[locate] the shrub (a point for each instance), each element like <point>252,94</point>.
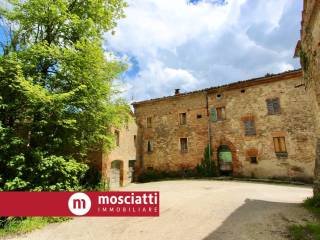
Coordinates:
<point>207,168</point>
<point>313,202</point>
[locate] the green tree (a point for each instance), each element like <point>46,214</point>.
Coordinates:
<point>207,167</point>
<point>57,94</point>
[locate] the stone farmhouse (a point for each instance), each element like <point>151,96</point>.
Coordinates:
<point>266,127</point>
<point>260,128</point>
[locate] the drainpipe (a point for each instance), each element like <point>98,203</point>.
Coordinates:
<point>209,126</point>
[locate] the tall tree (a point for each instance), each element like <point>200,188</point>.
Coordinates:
<point>57,97</point>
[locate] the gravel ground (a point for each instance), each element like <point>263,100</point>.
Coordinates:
<point>196,209</point>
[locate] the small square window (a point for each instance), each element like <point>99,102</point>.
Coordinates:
<point>199,116</point>
<point>184,145</point>
<point>183,118</point>
<point>253,160</point>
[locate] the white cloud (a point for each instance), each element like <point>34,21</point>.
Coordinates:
<point>191,46</point>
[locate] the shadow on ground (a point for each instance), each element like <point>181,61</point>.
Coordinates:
<point>260,220</point>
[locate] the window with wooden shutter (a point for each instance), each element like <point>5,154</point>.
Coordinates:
<point>249,127</point>
<point>184,145</point>
<point>273,106</point>
<point>280,146</point>
<point>221,113</point>
<point>213,114</point>
<point>183,118</point>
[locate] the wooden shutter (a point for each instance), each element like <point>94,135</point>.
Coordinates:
<point>213,114</point>
<point>223,113</point>
<point>276,144</point>
<point>282,144</point>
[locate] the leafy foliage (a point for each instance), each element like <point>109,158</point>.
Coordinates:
<point>57,94</point>
<point>207,167</point>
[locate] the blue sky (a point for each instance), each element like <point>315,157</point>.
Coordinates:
<point>196,44</point>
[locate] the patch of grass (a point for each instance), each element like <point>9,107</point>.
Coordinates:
<point>313,205</point>
<point>310,231</point>
<point>19,225</point>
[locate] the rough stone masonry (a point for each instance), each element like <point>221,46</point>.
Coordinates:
<point>260,128</point>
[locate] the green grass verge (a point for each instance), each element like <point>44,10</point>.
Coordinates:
<point>23,225</point>
<point>309,231</point>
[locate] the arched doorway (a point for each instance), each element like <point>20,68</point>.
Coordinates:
<point>116,174</point>
<point>225,160</point>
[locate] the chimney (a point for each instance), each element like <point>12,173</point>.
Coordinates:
<point>177,91</point>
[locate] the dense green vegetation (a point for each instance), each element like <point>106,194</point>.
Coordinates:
<point>57,96</point>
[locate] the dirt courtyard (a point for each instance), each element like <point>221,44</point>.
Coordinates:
<point>194,210</point>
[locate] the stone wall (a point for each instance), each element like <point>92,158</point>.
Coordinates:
<point>125,152</point>
<point>309,53</point>
<point>166,132</point>
<point>295,123</point>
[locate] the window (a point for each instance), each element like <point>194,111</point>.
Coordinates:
<point>149,146</point>
<point>117,136</point>
<point>149,122</point>
<point>183,118</point>
<point>221,113</point>
<point>273,106</point>
<point>199,116</point>
<point>217,114</point>
<point>184,145</point>
<point>253,160</point>
<point>280,146</point>
<point>249,127</point>
<point>218,96</point>
<point>135,140</point>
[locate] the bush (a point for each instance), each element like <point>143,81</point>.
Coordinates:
<point>41,173</point>
<point>207,168</point>
<point>313,202</point>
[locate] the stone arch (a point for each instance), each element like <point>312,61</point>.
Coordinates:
<point>236,165</point>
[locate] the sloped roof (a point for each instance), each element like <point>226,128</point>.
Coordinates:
<point>240,84</point>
